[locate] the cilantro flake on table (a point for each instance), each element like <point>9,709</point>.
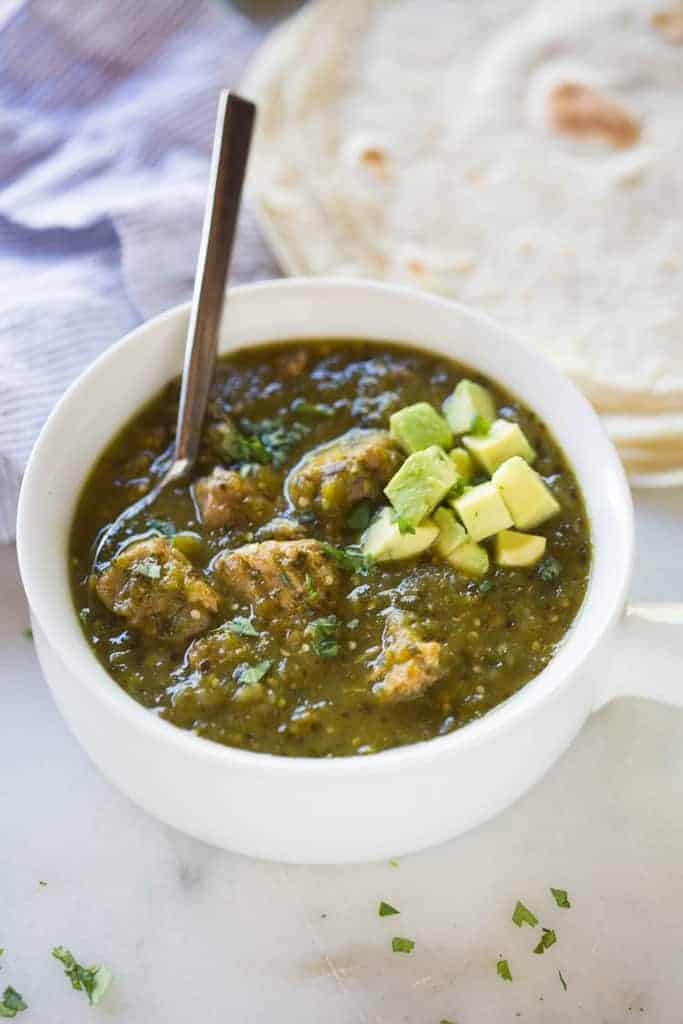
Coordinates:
<point>12,1003</point>
<point>93,980</point>
<point>402,945</point>
<point>386,909</point>
<point>503,970</point>
<point>564,983</point>
<point>548,939</point>
<point>561,897</point>
<point>522,915</point>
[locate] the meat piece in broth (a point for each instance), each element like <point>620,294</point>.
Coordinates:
<point>279,576</point>
<point>155,588</point>
<point>407,665</point>
<point>353,468</point>
<point>227,497</point>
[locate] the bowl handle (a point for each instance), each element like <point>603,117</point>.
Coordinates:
<point>645,656</point>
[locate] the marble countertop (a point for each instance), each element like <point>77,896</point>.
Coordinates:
<point>193,933</point>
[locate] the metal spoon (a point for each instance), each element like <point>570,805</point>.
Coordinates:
<point>231,144</point>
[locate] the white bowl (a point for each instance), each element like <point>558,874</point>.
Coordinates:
<point>300,809</point>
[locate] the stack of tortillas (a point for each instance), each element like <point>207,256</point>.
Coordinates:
<point>523,158</point>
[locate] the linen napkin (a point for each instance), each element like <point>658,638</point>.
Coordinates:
<point>106,122</point>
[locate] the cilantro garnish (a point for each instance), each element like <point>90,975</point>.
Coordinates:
<point>324,636</point>
<point>401,945</point>
<point>564,983</point>
<point>393,863</point>
<point>272,441</point>
<point>242,626</point>
<point>162,526</point>
<point>485,586</point>
<point>522,915</point>
<point>548,939</point>
<point>404,525</point>
<point>41,882</point>
<point>503,970</point>
<point>360,516</point>
<point>94,980</point>
<point>253,673</point>
<point>304,408</point>
<point>479,426</point>
<point>561,897</point>
<point>386,909</point>
<point>351,558</point>
<point>286,578</point>
<point>147,567</point>
<point>549,569</point>
<point>310,587</point>
<point>12,1003</point>
<point>27,633</point>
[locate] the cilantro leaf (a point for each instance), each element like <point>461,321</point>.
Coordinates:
<point>286,578</point>
<point>12,1003</point>
<point>401,945</point>
<point>351,558</point>
<point>386,909</point>
<point>561,897</point>
<point>161,526</point>
<point>404,525</point>
<point>360,516</point>
<point>548,939</point>
<point>253,673</point>
<point>27,633</point>
<point>485,586</point>
<point>305,408</point>
<point>393,863</point>
<point>503,970</point>
<point>242,626</point>
<point>522,915</point>
<point>310,587</point>
<point>549,569</point>
<point>147,567</point>
<point>324,636</point>
<point>479,426</point>
<point>94,980</point>
<point>564,983</point>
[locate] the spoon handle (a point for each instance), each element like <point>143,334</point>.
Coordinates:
<point>232,140</point>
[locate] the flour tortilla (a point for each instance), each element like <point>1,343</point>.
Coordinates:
<point>410,140</point>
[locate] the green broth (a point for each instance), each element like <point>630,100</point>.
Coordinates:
<point>495,635</point>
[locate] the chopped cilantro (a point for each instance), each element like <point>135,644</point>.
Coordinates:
<point>27,633</point>
<point>404,525</point>
<point>522,915</point>
<point>386,909</point>
<point>393,863</point>
<point>401,945</point>
<point>242,626</point>
<point>272,441</point>
<point>41,882</point>
<point>310,587</point>
<point>162,526</point>
<point>304,408</point>
<point>324,636</point>
<point>564,983</point>
<point>458,488</point>
<point>548,939</point>
<point>549,569</point>
<point>360,516</point>
<point>351,558</point>
<point>253,673</point>
<point>94,980</point>
<point>479,426</point>
<point>147,567</point>
<point>286,579</point>
<point>561,897</point>
<point>485,586</point>
<point>12,1003</point>
<point>503,970</point>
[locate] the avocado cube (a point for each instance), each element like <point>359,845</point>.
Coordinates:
<point>419,426</point>
<point>463,463</point>
<point>470,559</point>
<point>525,493</point>
<point>483,511</point>
<point>468,401</point>
<point>503,441</point>
<point>517,550</point>
<point>384,542</point>
<point>424,479</point>
<point>451,533</point>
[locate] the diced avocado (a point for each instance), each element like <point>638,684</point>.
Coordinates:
<point>518,549</point>
<point>468,401</point>
<point>503,441</point>
<point>470,558</point>
<point>421,483</point>
<point>483,511</point>
<point>419,426</point>
<point>463,463</point>
<point>524,492</point>
<point>384,542</point>
<point>451,532</point>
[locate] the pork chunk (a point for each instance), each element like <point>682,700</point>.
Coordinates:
<point>407,665</point>
<point>354,467</point>
<point>279,576</point>
<point>228,498</point>
<point>154,587</point>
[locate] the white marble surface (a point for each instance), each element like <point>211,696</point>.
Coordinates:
<point>195,934</point>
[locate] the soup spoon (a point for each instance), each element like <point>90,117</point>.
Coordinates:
<point>231,145</point>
